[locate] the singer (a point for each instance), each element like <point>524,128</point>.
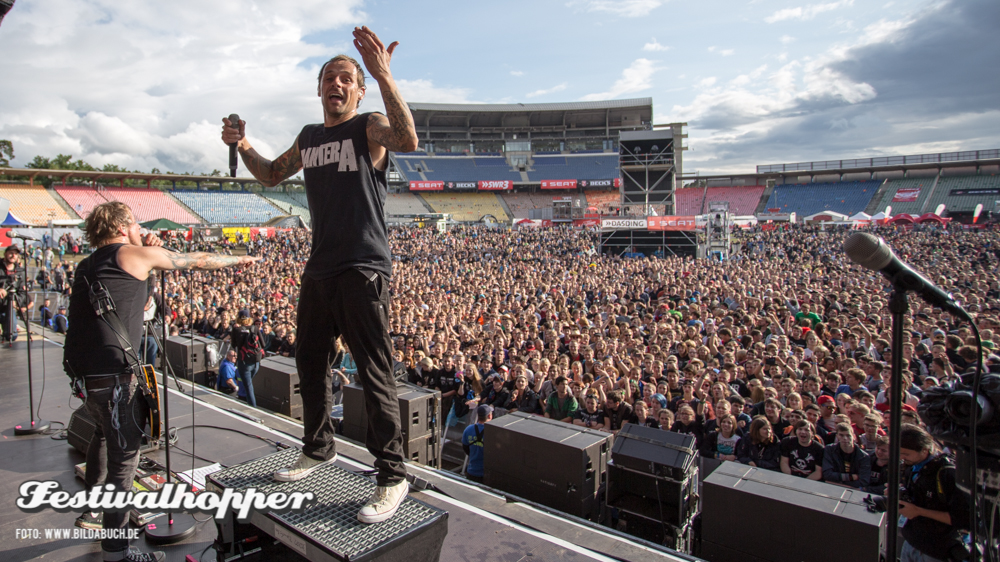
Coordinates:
<point>121,262</point>
<point>345,283</point>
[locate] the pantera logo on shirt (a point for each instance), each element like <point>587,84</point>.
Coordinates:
<point>337,152</point>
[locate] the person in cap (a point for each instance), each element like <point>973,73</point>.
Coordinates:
<point>473,444</point>
<point>60,323</point>
<point>14,295</point>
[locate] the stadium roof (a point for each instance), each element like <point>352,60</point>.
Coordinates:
<point>518,107</point>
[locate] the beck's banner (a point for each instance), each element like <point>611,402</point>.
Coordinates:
<point>460,185</point>
<point>672,222</point>
<point>496,185</point>
<point>907,195</point>
<point>617,182</point>
<point>558,184</point>
<point>426,186</point>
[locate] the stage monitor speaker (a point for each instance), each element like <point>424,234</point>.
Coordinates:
<point>549,462</point>
<point>81,429</point>
<point>276,386</point>
<point>775,517</point>
<point>419,412</point>
<point>179,354</point>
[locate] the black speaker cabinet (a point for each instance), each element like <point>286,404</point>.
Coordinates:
<point>662,499</point>
<point>762,515</point>
<point>419,412</point>
<point>550,462</point>
<point>80,429</point>
<point>186,356</point>
<point>664,454</point>
<point>276,386</point>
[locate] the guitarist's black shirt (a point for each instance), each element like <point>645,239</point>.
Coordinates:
<point>91,346</point>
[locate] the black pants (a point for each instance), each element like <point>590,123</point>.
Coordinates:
<point>114,451</point>
<point>354,304</point>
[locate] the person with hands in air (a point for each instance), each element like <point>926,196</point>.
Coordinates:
<point>345,285</point>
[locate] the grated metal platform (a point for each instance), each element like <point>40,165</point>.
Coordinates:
<point>329,528</point>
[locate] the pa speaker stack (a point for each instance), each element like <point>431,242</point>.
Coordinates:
<point>761,515</point>
<point>419,416</point>
<point>653,485</point>
<point>194,358</point>
<point>549,462</point>
<point>276,386</point>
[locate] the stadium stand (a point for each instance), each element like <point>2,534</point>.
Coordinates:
<point>229,208</point>
<point>742,199</point>
<point>603,167</point>
<point>521,204</point>
<point>146,204</point>
<point>946,185</point>
<point>81,198</point>
<point>466,206</point>
<point>458,168</point>
<point>404,204</point>
<point>688,200</point>
<point>909,207</point>
<point>810,198</point>
<point>33,204</point>
<point>284,201</point>
<point>602,200</point>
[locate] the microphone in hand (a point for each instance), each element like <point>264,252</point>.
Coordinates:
<point>234,121</point>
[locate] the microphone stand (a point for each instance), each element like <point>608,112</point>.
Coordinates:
<point>179,525</point>
<point>898,306</point>
<point>33,427</point>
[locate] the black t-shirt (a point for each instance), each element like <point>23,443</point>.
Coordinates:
<point>802,460</point>
<point>583,415</point>
<point>346,197</point>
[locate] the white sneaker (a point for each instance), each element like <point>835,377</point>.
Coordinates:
<point>300,469</point>
<point>383,503</point>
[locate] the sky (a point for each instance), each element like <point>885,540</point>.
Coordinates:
<point>144,84</point>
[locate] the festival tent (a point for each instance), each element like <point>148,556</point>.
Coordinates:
<point>902,218</point>
<point>162,224</point>
<point>931,217</point>
<point>11,220</point>
<point>861,216</point>
<point>826,216</point>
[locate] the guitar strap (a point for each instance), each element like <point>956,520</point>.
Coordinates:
<point>104,307</point>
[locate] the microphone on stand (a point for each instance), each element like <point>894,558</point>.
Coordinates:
<point>234,121</point>
<point>875,254</point>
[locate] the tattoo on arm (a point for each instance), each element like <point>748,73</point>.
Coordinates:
<point>271,173</point>
<point>395,131</point>
<point>201,260</point>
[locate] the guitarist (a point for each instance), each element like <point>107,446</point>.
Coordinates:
<point>106,360</point>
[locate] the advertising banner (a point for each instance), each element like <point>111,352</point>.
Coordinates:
<point>496,185</point>
<point>908,195</point>
<point>623,224</point>
<point>460,185</point>
<point>558,184</point>
<point>979,191</point>
<point>617,182</point>
<point>587,222</point>
<point>673,223</point>
<point>426,186</point>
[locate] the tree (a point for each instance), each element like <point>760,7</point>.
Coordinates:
<point>6,153</point>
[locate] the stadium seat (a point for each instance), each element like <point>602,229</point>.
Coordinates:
<point>290,204</point>
<point>466,206</point>
<point>810,198</point>
<point>404,204</point>
<point>602,200</point>
<point>229,208</point>
<point>588,167</point>
<point>34,205</point>
<point>522,203</point>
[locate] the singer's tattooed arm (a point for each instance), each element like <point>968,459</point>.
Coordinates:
<point>272,172</point>
<point>203,260</point>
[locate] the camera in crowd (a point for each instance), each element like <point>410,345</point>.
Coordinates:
<point>950,411</point>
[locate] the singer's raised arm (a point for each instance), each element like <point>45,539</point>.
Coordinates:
<point>269,172</point>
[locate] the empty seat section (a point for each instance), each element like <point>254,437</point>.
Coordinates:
<point>588,167</point>
<point>229,208</point>
<point>458,168</point>
<point>404,204</point>
<point>742,200</point>
<point>688,200</point>
<point>291,205</point>
<point>466,207</point>
<point>81,198</point>
<point>948,186</point>
<point>150,204</point>
<point>521,204</point>
<point>910,207</point>
<point>34,205</point>
<point>810,198</point>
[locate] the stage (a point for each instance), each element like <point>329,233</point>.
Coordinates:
<point>482,524</point>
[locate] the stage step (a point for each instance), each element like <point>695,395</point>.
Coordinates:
<point>329,528</point>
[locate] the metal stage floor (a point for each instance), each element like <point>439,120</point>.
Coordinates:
<point>481,524</point>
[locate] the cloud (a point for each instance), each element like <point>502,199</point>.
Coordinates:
<point>806,12</point>
<point>786,39</point>
<point>517,73</point>
<point>552,90</point>
<point>869,96</point>
<point>636,78</point>
<point>426,91</point>
<point>723,52</point>
<point>622,8</point>
<point>145,85</point>
<point>655,45</point>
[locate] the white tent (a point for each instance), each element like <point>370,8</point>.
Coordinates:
<point>862,216</point>
<point>827,216</point>
<point>879,216</point>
